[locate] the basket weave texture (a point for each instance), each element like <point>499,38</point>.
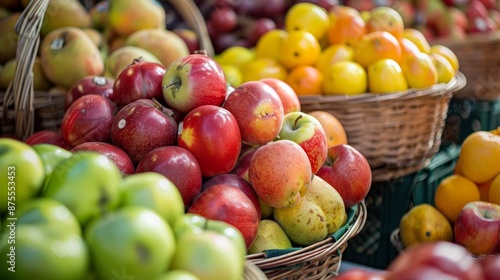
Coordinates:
<point>398,133</point>
<point>317,261</point>
<point>479,58</point>
<point>24,111</point>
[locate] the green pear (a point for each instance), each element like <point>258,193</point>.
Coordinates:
<point>51,155</point>
<point>43,255</point>
<point>68,54</point>
<point>87,183</point>
<point>164,44</point>
<point>132,241</point>
<point>7,73</point>
<point>155,191</point>
<point>123,57</point>
<point>126,17</point>
<point>23,174</point>
<point>8,37</point>
<point>64,13</point>
<point>266,210</point>
<point>270,235</point>
<point>318,214</point>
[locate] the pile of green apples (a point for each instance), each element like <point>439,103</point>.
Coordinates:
<point>72,215</point>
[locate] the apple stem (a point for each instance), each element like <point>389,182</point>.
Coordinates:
<point>296,121</point>
<point>203,52</point>
<point>176,84</point>
<point>137,60</point>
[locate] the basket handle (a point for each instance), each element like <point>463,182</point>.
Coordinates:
<point>193,17</point>
<point>20,92</point>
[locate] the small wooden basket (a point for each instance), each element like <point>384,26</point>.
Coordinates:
<point>479,58</point>
<point>398,133</point>
<point>24,111</point>
<point>318,261</point>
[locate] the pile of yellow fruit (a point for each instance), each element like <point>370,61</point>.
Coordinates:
<point>342,51</point>
<point>476,178</point>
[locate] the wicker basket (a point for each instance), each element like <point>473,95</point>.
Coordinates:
<point>479,57</point>
<point>398,133</point>
<point>318,261</point>
<point>24,111</point>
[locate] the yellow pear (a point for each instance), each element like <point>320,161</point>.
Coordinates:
<point>123,57</point>
<point>64,13</point>
<point>270,235</point>
<point>126,17</point>
<point>319,213</point>
<point>444,68</point>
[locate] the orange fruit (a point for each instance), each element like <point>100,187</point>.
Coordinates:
<point>494,191</point>
<point>458,168</point>
<point>309,17</point>
<point>332,54</point>
<point>453,193</point>
<point>448,54</point>
<point>386,76</point>
<point>384,18</point>
<point>346,25</point>
<point>299,48</point>
<point>419,70</point>
<point>305,80</point>
<point>335,132</point>
<point>268,44</point>
<point>484,189</point>
<point>480,156</point>
<point>418,38</point>
<point>376,45</point>
<point>345,77</point>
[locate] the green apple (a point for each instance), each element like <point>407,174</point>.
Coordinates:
<point>177,275</point>
<point>132,241</point>
<point>37,254</point>
<point>87,183</point>
<point>208,255</point>
<point>21,174</point>
<point>155,191</point>
<point>51,155</point>
<point>194,223</point>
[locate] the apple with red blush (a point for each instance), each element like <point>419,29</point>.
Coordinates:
<point>288,97</point>
<point>236,181</point>
<point>47,137</point>
<point>178,165</point>
<point>192,81</point>
<point>243,163</point>
<point>224,202</point>
<point>140,80</point>
<point>141,126</point>
<point>348,171</point>
<point>212,135</point>
<point>258,110</point>
<point>477,228</point>
<point>115,154</point>
<point>308,132</point>
<point>98,85</point>
<point>361,274</point>
<point>88,119</point>
<point>491,266</point>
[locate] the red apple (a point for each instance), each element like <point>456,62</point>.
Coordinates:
<point>243,163</point>
<point>212,135</point>
<point>189,37</point>
<point>48,137</point>
<point>361,274</point>
<point>348,171</point>
<point>142,126</point>
<point>288,97</point>
<point>280,173</point>
<point>117,155</point>
<point>140,80</point>
<point>308,132</point>
<point>224,202</point>
<point>477,228</point>
<point>192,81</point>
<point>90,85</point>
<point>88,119</point>
<point>236,181</point>
<point>258,110</point>
<point>491,266</point>
<point>178,165</point>
<point>436,260</point>
<point>223,19</point>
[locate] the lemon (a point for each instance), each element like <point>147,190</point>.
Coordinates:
<point>263,67</point>
<point>332,54</point>
<point>385,76</point>
<point>299,48</point>
<point>233,74</point>
<point>270,235</point>
<point>345,77</point>
<point>448,54</point>
<point>309,17</point>
<point>235,55</point>
<point>424,223</point>
<point>269,44</point>
<point>444,68</point>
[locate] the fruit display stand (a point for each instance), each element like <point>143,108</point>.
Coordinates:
<point>317,261</point>
<point>399,132</point>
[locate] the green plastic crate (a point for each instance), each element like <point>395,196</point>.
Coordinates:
<point>442,165</point>
<point>466,116</point>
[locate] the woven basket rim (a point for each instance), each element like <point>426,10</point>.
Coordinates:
<point>492,37</point>
<point>315,251</point>
<point>456,83</point>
